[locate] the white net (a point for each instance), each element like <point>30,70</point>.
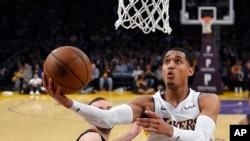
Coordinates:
<point>148,15</point>
<point>206,27</point>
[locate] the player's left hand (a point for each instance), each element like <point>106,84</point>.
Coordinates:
<point>154,123</point>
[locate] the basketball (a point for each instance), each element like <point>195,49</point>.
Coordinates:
<point>68,67</point>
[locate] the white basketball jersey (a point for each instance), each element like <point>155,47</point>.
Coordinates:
<point>182,116</point>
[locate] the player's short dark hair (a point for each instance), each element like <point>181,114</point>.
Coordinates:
<point>188,55</point>
<point>96,99</point>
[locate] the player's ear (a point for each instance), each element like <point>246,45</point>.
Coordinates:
<point>190,71</point>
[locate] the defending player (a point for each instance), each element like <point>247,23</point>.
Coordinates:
<point>95,133</point>
<point>176,114</point>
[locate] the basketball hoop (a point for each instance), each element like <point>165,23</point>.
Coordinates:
<point>206,24</point>
<point>148,15</point>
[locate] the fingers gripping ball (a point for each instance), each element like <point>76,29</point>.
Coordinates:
<point>68,67</point>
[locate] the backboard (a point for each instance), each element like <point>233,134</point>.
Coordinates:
<point>221,11</point>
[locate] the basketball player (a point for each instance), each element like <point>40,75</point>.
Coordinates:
<point>178,113</point>
<point>246,119</point>
<point>96,133</point>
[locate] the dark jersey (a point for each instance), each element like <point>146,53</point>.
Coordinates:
<point>87,131</point>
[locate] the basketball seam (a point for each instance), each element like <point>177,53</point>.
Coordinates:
<point>84,83</point>
<point>86,67</point>
<point>61,84</point>
<point>70,71</point>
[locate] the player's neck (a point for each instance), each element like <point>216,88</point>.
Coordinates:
<point>176,96</point>
<point>177,91</point>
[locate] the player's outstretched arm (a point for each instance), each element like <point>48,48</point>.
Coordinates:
<point>94,115</point>
<point>205,125</point>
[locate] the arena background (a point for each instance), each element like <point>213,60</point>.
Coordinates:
<point>39,26</point>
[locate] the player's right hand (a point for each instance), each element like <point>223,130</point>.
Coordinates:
<point>56,92</point>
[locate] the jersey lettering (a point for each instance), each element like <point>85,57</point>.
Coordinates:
<point>186,124</point>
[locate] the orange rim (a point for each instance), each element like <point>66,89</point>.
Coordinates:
<point>207,19</point>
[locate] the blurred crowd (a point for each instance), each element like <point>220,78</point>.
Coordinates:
<point>31,29</point>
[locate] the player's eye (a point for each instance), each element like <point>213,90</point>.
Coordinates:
<point>178,62</point>
<point>166,61</point>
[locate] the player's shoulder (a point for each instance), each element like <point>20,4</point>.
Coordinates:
<point>207,96</point>
<point>143,100</point>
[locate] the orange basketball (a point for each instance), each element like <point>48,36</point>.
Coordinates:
<point>68,67</point>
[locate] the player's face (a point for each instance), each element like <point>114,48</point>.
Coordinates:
<point>176,69</point>
<point>102,104</point>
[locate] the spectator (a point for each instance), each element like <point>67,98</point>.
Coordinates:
<point>237,77</point>
<point>38,70</point>
<point>26,76</point>
<point>106,78</point>
<point>141,86</point>
<point>149,76</point>
<point>121,66</point>
<point>93,84</point>
<point>35,84</point>
<point>159,81</point>
<point>246,71</point>
<point>16,79</point>
<point>136,72</point>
